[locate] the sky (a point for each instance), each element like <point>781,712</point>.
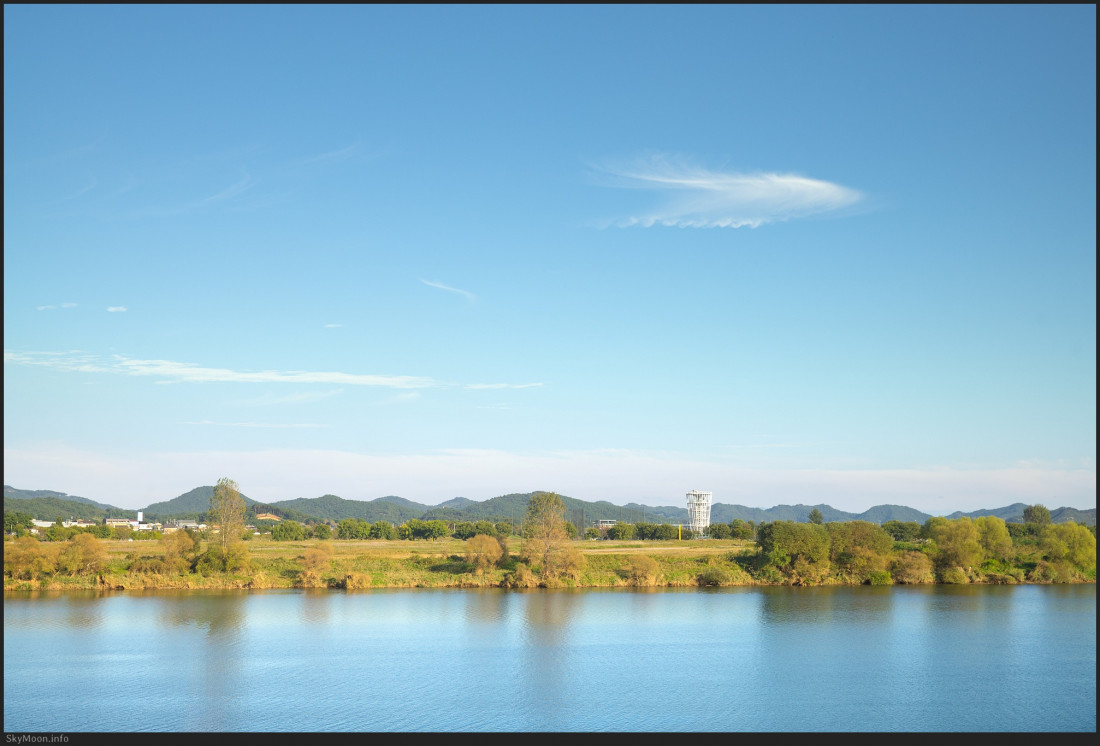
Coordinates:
<point>837,255</point>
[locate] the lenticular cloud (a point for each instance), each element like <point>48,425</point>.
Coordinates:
<point>699,198</point>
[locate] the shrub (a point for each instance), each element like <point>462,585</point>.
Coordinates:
<point>879,577</point>
<point>356,581</point>
<point>521,577</point>
<point>483,552</point>
<point>912,568</point>
<point>954,576</point>
<point>714,576</point>
<point>643,571</point>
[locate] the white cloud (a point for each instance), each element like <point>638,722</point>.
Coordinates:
<point>171,371</point>
<point>468,295</point>
<point>116,309</point>
<point>695,197</point>
<point>333,326</point>
<point>45,308</point>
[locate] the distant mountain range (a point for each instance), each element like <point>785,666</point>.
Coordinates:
<point>49,505</point>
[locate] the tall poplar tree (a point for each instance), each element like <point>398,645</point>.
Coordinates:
<point>227,510</point>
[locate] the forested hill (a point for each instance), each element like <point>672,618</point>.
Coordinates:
<point>189,503</point>
<point>12,492</point>
<point>48,505</point>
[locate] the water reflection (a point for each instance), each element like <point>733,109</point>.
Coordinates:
<point>774,659</point>
<point>547,619</point>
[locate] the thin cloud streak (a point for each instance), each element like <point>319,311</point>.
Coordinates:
<point>116,309</point>
<point>176,372</point>
<point>695,197</point>
<point>468,295</point>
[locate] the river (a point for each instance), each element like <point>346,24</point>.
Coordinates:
<point>832,659</point>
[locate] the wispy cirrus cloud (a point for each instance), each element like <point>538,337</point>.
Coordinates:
<point>116,309</point>
<point>468,295</point>
<point>171,371</point>
<point>341,154</point>
<point>245,183</point>
<point>696,197</point>
<point>52,308</point>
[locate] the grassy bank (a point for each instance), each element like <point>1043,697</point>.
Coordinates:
<point>442,563</point>
<point>411,564</point>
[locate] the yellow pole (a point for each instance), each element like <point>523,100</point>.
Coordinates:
<point>679,532</point>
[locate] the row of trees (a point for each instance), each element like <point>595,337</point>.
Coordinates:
<point>957,550</point>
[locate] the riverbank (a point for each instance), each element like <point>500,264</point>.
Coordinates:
<point>356,565</point>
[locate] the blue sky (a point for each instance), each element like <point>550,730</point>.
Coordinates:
<point>792,254</point>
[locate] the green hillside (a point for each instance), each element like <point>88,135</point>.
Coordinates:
<point>12,492</point>
<point>332,508</point>
<point>191,503</point>
<point>52,508</point>
<point>48,505</point>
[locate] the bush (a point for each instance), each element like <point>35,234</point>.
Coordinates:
<point>714,576</point>
<point>879,577</point>
<point>288,531</point>
<point>521,577</point>
<point>643,571</point>
<point>356,581</point>
<point>483,552</point>
<point>912,568</point>
<point>954,576</point>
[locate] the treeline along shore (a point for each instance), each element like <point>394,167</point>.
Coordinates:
<point>547,551</point>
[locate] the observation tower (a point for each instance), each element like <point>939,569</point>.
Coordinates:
<point>699,511</point>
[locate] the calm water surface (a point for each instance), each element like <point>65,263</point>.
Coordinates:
<point>941,658</point>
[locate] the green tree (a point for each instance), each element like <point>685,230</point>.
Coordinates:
<point>288,531</point>
<point>464,530</point>
<point>740,529</point>
<point>17,523</point>
<point>1070,543</point>
<point>621,531</point>
<point>994,538</point>
<point>816,517</point>
<point>227,509</point>
<point>178,549</point>
<point>859,548</point>
<point>902,530</point>
<point>82,555</point>
<point>1037,514</point>
<point>958,544</point>
<point>546,542</point>
<point>383,530</point>
<point>322,531</point>
<point>718,531</point>
<point>799,549</point>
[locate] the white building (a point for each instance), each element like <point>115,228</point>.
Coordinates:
<point>699,511</point>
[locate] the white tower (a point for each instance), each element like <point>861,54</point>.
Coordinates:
<point>699,511</point>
